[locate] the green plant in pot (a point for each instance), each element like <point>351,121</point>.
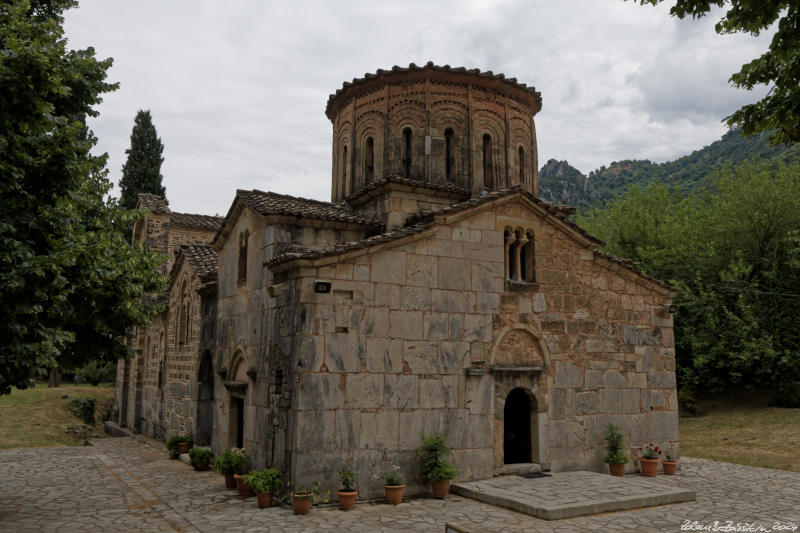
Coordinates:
<point>304,496</point>
<point>200,458</point>
<point>178,444</point>
<point>265,483</point>
<point>347,492</point>
<point>433,455</point>
<point>231,463</point>
<point>615,450</point>
<point>393,484</point>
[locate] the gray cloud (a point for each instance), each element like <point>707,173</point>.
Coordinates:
<point>238,91</point>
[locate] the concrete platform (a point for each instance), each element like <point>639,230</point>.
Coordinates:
<point>570,494</point>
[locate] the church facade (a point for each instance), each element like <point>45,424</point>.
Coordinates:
<point>435,292</point>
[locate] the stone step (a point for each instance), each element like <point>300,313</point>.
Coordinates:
<point>518,469</point>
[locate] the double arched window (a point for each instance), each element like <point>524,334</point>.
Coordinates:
<point>521,164</point>
<point>369,160</point>
<point>520,261</point>
<point>407,152</point>
<point>488,166</point>
<point>449,150</point>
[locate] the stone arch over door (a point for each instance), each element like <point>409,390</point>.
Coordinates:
<point>204,421</point>
<point>237,385</point>
<point>518,360</point>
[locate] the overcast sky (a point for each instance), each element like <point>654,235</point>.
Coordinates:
<point>237,89</point>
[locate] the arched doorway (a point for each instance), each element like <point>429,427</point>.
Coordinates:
<point>205,400</point>
<point>519,427</point>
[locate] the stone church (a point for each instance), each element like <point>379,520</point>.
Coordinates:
<point>435,292</point>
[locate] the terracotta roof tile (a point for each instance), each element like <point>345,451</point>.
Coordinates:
<point>487,75</point>
<point>203,259</point>
<point>196,221</point>
<point>270,203</point>
<point>152,203</point>
<point>399,179</point>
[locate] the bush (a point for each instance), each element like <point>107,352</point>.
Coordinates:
<point>785,389</point>
<point>233,461</point>
<point>172,443</point>
<point>83,408</point>
<point>347,479</point>
<point>615,446</point>
<point>200,455</point>
<point>432,455</point>
<point>96,372</point>
<point>267,480</point>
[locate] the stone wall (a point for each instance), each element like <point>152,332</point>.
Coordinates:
<point>385,355</point>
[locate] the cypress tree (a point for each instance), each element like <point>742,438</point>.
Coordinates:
<point>142,171</point>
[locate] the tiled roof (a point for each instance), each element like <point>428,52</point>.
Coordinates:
<point>152,203</point>
<point>348,246</point>
<point>399,179</point>
<point>430,67</point>
<point>196,221</point>
<point>270,203</point>
<point>203,259</point>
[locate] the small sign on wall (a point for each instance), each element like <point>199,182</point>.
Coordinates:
<point>322,286</point>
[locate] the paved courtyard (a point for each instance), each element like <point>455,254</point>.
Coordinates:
<point>123,484</point>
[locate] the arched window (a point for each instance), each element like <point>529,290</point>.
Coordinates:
<point>521,164</point>
<point>369,160</point>
<point>183,318</point>
<point>519,255</point>
<point>488,169</point>
<point>509,239</point>
<point>448,154</point>
<point>242,271</point>
<point>343,180</point>
<point>407,152</point>
<point>529,259</point>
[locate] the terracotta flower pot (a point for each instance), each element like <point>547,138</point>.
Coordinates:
<point>202,466</point>
<point>244,489</point>
<point>183,447</point>
<point>264,499</point>
<point>301,503</point>
<point>230,481</point>
<point>649,466</point>
<point>394,493</point>
<point>347,499</point>
<point>440,488</point>
<point>669,467</point>
<point>617,469</point>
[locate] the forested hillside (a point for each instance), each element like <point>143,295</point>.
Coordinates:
<point>561,183</point>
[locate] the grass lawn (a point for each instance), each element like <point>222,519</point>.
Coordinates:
<point>744,430</point>
<point>39,416</point>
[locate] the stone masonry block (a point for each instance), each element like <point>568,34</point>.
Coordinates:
<point>316,430</point>
<point>375,322</point>
<point>614,380</point>
<point>384,355</point>
<point>344,352</point>
<point>415,298</point>
<point>568,376</point>
<point>435,325</point>
<point>416,422</point>
<point>422,357</point>
<point>479,394</point>
<point>566,433</point>
<point>454,274</point>
<point>453,356</point>
<point>379,429</point>
<point>610,401</point>
<point>401,391</point>
<point>364,391</point>
<point>557,404</point>
<point>478,327</point>
<point>423,270</point>
<point>438,392</point>
<point>539,303</point>
<point>480,432</point>
<point>348,427</point>
<point>586,403</point>
<point>389,267</point>
<point>662,380</point>
<point>630,400</point>
<point>320,391</point>
<point>450,301</point>
<point>594,379</point>
<point>487,276</point>
<point>405,324</point>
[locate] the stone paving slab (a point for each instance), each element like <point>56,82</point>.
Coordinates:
<point>124,484</point>
<point>571,494</point>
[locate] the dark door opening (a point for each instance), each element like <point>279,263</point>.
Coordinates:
<point>205,401</point>
<point>238,407</point>
<point>517,433</point>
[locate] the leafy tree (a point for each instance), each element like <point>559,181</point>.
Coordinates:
<point>735,254</point>
<point>142,170</point>
<point>778,67</point>
<point>69,282</point>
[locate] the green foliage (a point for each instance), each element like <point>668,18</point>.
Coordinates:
<point>172,443</point>
<point>267,480</point>
<point>733,253</point>
<point>200,455</point>
<point>432,455</point>
<point>651,451</point>
<point>778,67</point>
<point>347,479</point>
<point>142,170</point>
<point>96,372</point>
<point>69,282</point>
<point>615,446</point>
<point>233,461</point>
<point>391,477</point>
<point>83,408</point>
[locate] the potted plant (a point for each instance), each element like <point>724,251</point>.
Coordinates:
<point>615,450</point>
<point>265,483</point>
<point>200,458</point>
<point>178,444</point>
<point>231,462</point>
<point>649,460</point>
<point>347,493</point>
<point>303,497</point>
<point>393,484</point>
<point>669,463</point>
<point>434,466</point>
